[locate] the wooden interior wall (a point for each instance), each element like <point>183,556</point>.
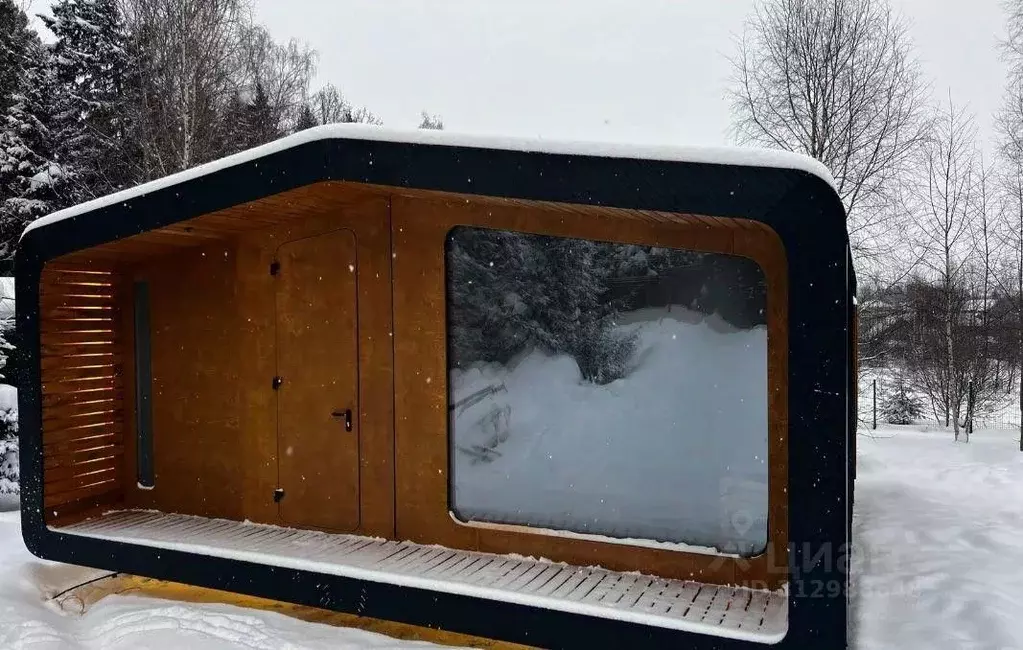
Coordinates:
<point>195,408</point>
<point>213,321</point>
<point>82,388</point>
<point>367,218</point>
<point>420,224</point>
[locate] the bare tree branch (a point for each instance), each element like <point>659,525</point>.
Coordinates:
<point>836,80</point>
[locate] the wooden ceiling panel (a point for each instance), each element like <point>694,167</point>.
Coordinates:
<point>328,197</point>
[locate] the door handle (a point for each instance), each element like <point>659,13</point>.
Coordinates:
<point>346,414</point>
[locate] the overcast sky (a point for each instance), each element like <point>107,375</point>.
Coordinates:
<point>653,71</point>
<point>649,71</point>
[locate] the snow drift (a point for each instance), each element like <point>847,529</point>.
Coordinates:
<point>676,451</point>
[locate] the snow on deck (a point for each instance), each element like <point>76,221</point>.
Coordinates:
<point>683,605</point>
<point>710,155</point>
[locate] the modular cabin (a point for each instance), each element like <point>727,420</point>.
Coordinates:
<point>559,394</point>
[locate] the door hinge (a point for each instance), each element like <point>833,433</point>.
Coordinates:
<point>275,267</point>
<point>278,495</point>
<point>276,383</point>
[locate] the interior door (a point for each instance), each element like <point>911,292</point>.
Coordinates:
<point>317,382</point>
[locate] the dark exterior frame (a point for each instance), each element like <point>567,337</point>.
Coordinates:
<point>802,208</point>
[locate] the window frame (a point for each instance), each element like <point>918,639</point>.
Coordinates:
<point>421,224</point>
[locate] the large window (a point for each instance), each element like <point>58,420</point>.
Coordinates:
<point>608,389</point>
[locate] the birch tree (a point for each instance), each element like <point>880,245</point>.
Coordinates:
<point>988,369</point>
<point>280,71</point>
<point>836,80</point>
<point>1012,236</point>
<point>329,106</point>
<point>187,56</point>
<point>1010,129</point>
<point>945,187</point>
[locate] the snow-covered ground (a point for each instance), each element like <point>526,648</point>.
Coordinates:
<point>30,620</point>
<point>940,526</point>
<point>940,529</point>
<point>675,451</point>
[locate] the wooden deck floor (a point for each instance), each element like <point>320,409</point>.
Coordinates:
<point>682,605</point>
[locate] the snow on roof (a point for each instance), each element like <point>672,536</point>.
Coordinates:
<point>712,155</point>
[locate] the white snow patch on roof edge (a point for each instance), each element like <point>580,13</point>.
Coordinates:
<point>712,155</point>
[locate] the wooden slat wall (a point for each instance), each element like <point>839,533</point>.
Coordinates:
<point>83,388</point>
<point>196,428</point>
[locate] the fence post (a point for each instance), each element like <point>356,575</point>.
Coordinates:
<point>969,410</point>
<point>875,404</point>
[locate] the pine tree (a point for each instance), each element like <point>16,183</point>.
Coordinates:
<point>575,315</point>
<point>306,118</point>
<point>901,406</point>
<point>8,450</point>
<point>247,123</point>
<point>15,38</point>
<point>234,132</point>
<point>8,410</point>
<point>20,53</point>
<point>488,303</point>
<point>28,176</point>
<point>260,121</point>
<point>90,125</point>
<point>512,292</point>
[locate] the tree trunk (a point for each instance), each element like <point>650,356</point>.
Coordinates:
<point>949,349</point>
<point>1019,300</point>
